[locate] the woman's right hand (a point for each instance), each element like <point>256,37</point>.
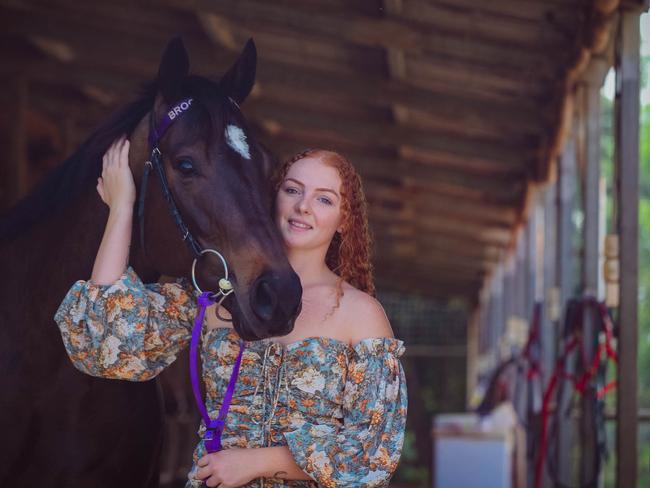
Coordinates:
<point>116,187</point>
<point>117,190</point>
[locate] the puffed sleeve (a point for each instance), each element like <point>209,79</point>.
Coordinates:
<point>127,330</point>
<point>365,450</point>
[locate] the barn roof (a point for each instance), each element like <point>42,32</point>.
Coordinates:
<point>453,110</point>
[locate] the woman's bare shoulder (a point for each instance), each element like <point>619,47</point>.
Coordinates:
<point>364,314</point>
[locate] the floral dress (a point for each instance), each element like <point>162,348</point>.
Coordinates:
<point>340,409</point>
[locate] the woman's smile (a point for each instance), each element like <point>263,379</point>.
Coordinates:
<point>299,225</point>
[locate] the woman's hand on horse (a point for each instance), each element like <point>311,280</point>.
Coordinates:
<point>116,187</point>
<point>228,468</point>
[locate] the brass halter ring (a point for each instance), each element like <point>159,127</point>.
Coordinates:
<point>225,286</point>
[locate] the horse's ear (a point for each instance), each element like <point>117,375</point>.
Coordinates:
<point>270,162</point>
<point>238,82</point>
<point>174,67</point>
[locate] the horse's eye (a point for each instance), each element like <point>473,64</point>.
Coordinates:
<point>186,167</point>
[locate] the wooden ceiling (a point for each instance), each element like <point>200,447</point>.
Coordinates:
<point>450,109</point>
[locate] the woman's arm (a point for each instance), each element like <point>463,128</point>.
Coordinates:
<point>115,326</point>
<point>117,190</point>
<point>236,467</point>
<point>277,462</point>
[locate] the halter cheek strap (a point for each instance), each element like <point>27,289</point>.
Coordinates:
<point>156,132</point>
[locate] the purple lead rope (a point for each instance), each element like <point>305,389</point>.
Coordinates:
<point>214,427</point>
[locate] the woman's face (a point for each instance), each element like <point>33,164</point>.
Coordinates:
<point>308,204</point>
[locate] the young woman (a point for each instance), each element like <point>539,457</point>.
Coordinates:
<point>322,406</point>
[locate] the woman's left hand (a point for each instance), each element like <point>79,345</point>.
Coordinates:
<point>229,468</point>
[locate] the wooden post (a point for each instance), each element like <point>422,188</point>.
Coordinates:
<point>16,184</point>
<point>567,177</point>
<point>531,262</point>
<point>627,162</point>
<point>549,322</point>
<point>473,325</point>
<point>588,108</point>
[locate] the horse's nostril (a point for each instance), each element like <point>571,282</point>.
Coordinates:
<point>265,300</point>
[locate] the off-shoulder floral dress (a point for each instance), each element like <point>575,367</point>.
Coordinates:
<point>341,410</point>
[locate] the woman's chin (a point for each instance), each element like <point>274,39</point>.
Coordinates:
<point>294,242</point>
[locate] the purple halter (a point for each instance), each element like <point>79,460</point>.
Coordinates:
<point>214,427</point>
<point>156,133</point>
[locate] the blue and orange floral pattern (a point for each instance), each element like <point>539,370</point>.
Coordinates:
<point>340,409</point>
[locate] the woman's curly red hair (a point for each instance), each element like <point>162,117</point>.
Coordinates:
<point>349,252</point>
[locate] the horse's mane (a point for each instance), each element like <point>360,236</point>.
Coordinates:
<point>77,173</point>
<point>80,171</point>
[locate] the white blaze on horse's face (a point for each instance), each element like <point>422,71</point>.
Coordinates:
<point>236,139</point>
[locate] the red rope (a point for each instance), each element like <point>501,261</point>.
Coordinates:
<point>580,384</point>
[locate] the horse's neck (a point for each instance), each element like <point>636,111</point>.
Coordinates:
<point>46,260</point>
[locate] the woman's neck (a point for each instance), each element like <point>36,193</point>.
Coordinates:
<point>309,265</point>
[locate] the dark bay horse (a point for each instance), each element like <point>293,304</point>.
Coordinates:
<point>59,427</point>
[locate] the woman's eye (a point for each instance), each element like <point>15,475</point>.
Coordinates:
<point>325,200</point>
<point>186,167</point>
<point>291,191</point>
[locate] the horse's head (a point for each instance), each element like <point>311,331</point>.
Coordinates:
<point>218,175</point>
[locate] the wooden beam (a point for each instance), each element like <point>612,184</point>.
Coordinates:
<point>403,230</point>
<point>479,128</point>
<point>452,188</point>
<point>627,161</point>
<point>411,33</point>
<point>529,112</point>
<point>563,11</point>
<point>435,41</point>
<point>435,249</point>
<point>110,49</point>
<point>107,49</point>
<point>421,202</point>
<point>470,165</point>
<point>467,230</point>
<point>487,25</point>
<point>457,268</point>
<point>392,282</point>
<point>447,150</point>
<point>406,248</point>
<point>495,82</point>
<point>442,282</point>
